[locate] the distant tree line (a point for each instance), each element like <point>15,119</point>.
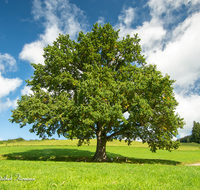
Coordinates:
<point>186,139</point>
<point>194,137</point>
<point>12,140</point>
<point>20,139</point>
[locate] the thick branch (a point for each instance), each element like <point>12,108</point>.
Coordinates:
<point>114,134</point>
<point>121,132</point>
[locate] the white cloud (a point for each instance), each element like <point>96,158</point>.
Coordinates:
<point>127,16</point>
<point>4,105</point>
<point>151,33</point>
<point>37,9</point>
<point>8,85</point>
<point>33,52</point>
<point>26,90</point>
<point>164,6</point>
<point>101,20</point>
<point>125,19</point>
<point>180,58</point>
<point>174,138</point>
<point>126,115</point>
<point>189,108</point>
<point>69,21</point>
<point>7,63</point>
<point>165,10</point>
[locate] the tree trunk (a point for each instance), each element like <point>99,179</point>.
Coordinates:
<point>100,155</point>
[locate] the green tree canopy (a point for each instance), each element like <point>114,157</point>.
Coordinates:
<point>196,132</point>
<point>84,89</point>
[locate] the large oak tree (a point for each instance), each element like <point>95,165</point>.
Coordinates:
<point>86,86</point>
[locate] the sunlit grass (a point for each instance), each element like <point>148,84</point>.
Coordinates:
<point>53,164</point>
<point>81,175</point>
<point>67,150</point>
<point>71,142</point>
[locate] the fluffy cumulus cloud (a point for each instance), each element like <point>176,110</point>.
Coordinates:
<point>125,19</point>
<point>7,85</point>
<point>151,32</point>
<point>170,39</point>
<point>7,103</point>
<point>26,90</point>
<point>33,52</point>
<point>127,16</point>
<point>180,58</point>
<point>7,62</point>
<point>189,109</point>
<point>101,20</point>
<point>70,20</point>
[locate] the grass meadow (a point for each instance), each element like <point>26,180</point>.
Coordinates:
<point>61,164</point>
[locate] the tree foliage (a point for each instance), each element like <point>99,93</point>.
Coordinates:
<point>186,139</point>
<point>86,86</point>
<point>195,137</point>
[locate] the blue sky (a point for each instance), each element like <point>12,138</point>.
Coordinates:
<point>169,32</point>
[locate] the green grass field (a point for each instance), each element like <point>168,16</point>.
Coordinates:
<point>60,164</point>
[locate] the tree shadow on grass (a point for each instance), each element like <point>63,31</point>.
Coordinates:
<point>76,155</point>
<point>152,161</point>
<point>120,159</point>
<point>67,155</point>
